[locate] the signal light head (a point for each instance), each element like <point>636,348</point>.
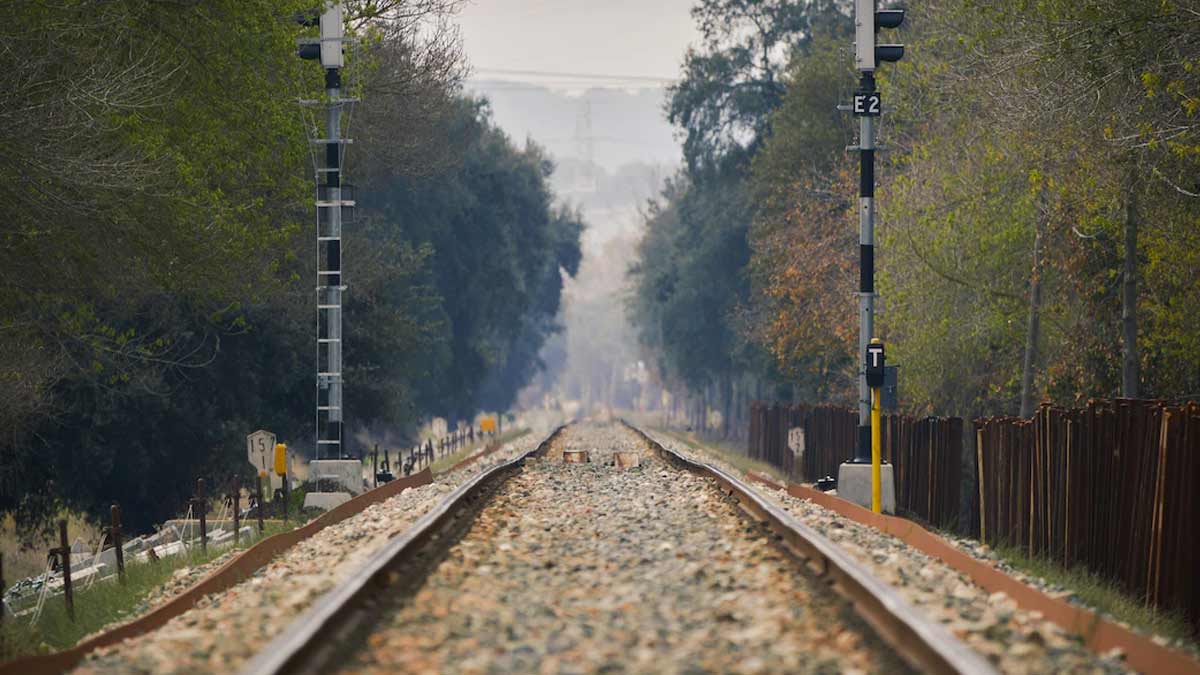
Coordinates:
<point>889,53</point>
<point>888,18</point>
<point>309,52</point>
<point>308,19</point>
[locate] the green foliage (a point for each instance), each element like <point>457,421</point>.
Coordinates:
<point>1104,595</point>
<point>1066,120</point>
<point>1078,146</point>
<point>1058,123</point>
<point>152,185</point>
<point>103,603</point>
<point>157,261</point>
<point>732,84</point>
<point>498,250</point>
<point>690,282</point>
<point>803,252</point>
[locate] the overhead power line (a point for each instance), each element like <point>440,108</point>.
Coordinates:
<point>577,76</point>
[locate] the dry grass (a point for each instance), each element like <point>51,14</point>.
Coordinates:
<point>730,453</point>
<point>445,463</point>
<point>1102,595</point>
<point>22,561</point>
<point>103,603</point>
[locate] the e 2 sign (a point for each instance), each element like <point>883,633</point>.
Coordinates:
<point>867,104</point>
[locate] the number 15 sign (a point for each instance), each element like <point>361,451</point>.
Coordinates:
<point>260,449</point>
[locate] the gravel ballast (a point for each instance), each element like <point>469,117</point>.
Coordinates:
<point>1015,640</point>
<point>225,629</point>
<point>593,568</point>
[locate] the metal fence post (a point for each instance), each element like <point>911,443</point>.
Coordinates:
<point>258,501</point>
<point>114,533</point>
<point>65,556</point>
<point>237,510</point>
<point>201,502</point>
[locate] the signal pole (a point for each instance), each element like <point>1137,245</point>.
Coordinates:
<point>855,477</point>
<point>329,277</point>
<point>332,198</point>
<point>330,202</point>
<point>866,265</point>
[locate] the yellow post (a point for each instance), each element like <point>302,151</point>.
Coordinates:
<point>876,451</point>
<point>280,459</point>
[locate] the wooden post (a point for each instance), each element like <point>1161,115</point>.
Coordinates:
<point>201,510</point>
<point>237,510</point>
<point>1,589</point>
<point>64,552</point>
<point>259,501</point>
<point>286,497</point>
<point>982,490</point>
<point>114,516</point>
<point>375,466</point>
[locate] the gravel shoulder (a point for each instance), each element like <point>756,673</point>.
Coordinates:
<point>590,568</point>
<point>223,630</point>
<point>1015,640</point>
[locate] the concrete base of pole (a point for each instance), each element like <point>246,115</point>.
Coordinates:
<point>326,500</point>
<point>854,485</point>
<point>337,475</point>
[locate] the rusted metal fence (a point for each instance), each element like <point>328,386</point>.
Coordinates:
<point>1114,487</point>
<point>1111,487</point>
<point>926,453</point>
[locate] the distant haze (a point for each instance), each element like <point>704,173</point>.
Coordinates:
<point>623,37</point>
<point>611,127</point>
<point>585,79</point>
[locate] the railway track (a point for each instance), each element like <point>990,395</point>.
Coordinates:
<point>665,564</point>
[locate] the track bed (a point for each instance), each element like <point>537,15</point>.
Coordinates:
<point>591,568</point>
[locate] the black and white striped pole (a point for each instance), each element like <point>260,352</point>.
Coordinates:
<point>867,106</point>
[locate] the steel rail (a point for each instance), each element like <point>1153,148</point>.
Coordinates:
<point>314,636</point>
<point>925,645</point>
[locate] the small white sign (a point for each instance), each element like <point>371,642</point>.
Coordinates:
<point>260,450</point>
<point>438,427</point>
<point>796,440</point>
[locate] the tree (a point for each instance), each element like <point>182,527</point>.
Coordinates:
<point>732,84</point>
<point>497,249</point>
<point>803,247</point>
<point>723,104</point>
<point>1080,137</point>
<point>157,260</point>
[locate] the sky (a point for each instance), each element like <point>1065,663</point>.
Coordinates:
<point>642,38</point>
<point>565,71</point>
